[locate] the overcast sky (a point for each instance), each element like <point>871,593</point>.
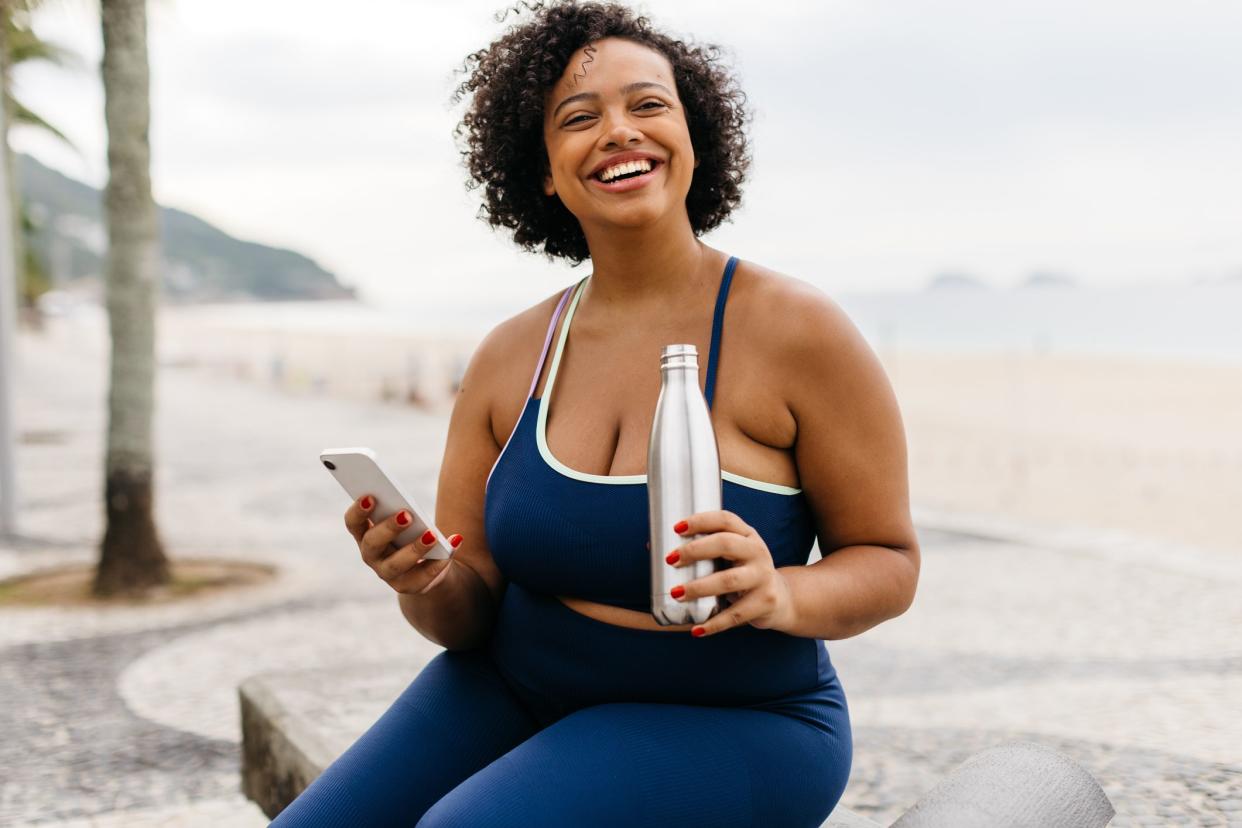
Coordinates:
<point>892,140</point>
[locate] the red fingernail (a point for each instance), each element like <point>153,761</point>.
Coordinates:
<point>681,527</point>
<point>455,541</point>
<point>402,518</point>
<point>366,502</point>
<point>428,537</point>
<point>677,591</point>
<point>673,557</point>
<point>698,631</point>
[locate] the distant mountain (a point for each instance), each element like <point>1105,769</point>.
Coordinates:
<point>1043,278</point>
<point>954,281</point>
<point>201,262</point>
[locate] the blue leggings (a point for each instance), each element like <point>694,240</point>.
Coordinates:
<point>479,738</point>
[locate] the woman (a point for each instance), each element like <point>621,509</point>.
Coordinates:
<point>559,700</point>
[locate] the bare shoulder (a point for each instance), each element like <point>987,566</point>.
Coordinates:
<point>850,447</point>
<point>506,357</point>
<point>792,321</point>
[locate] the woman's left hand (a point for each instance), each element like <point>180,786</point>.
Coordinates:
<point>759,593</point>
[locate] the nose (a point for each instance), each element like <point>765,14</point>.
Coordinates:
<point>619,131</point>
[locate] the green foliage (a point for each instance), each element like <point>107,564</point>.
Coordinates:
<point>21,45</point>
<point>35,280</point>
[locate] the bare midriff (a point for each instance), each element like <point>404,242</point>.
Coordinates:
<point>619,616</point>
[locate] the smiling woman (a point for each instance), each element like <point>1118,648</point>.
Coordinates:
<point>520,85</point>
<point>559,699</point>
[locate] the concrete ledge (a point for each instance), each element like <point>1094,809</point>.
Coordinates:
<point>294,724</point>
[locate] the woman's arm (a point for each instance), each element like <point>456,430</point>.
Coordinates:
<point>850,450</point>
<point>459,612</point>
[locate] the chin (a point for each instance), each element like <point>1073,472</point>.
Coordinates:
<point>632,216</point>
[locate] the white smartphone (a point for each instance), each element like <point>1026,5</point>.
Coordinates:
<point>359,473</point>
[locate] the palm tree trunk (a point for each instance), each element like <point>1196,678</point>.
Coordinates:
<point>132,557</point>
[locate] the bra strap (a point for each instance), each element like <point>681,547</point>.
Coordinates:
<point>717,324</point>
<point>547,340</point>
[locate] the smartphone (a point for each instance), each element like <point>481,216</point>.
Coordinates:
<point>359,473</point>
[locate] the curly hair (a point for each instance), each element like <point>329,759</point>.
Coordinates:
<point>503,124</point>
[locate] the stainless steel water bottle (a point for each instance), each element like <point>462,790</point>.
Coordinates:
<point>683,478</point>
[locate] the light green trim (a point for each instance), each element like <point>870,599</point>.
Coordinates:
<point>775,488</point>
<point>545,397</point>
<point>614,479</point>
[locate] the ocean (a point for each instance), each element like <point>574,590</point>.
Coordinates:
<point>1202,322</point>
<point>1195,322</point>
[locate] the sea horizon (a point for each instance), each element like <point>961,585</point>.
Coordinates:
<point>1197,322</point>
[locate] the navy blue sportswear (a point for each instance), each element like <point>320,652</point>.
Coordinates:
<point>564,720</point>
<point>585,535</point>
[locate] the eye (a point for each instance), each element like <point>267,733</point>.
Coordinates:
<point>578,118</point>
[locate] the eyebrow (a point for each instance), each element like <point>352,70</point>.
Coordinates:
<point>625,90</point>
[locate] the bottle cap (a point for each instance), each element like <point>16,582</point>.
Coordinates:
<point>682,355</point>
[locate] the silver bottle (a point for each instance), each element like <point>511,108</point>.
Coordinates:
<point>683,478</point>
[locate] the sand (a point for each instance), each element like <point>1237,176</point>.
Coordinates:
<point>1150,449</point>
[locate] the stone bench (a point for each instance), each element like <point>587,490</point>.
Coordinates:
<point>294,724</point>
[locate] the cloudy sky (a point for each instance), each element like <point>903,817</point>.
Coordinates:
<point>892,140</point>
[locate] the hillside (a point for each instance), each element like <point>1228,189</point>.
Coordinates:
<point>202,262</point>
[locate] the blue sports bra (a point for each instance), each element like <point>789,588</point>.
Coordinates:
<point>559,531</point>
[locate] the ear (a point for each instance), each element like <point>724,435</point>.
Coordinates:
<point>696,162</point>
<point>549,189</point>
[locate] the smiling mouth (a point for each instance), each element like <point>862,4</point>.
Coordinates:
<point>629,181</point>
<point>655,165</point>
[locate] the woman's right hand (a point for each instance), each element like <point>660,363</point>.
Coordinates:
<point>404,569</point>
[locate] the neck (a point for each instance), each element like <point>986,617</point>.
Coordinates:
<point>646,271</point>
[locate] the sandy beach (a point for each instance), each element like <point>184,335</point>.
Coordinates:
<point>1146,450</point>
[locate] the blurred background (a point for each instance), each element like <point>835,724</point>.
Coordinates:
<point>1030,210</point>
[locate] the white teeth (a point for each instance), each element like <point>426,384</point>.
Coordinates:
<point>628,167</point>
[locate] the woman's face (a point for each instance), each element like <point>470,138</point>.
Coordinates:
<point>615,98</point>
